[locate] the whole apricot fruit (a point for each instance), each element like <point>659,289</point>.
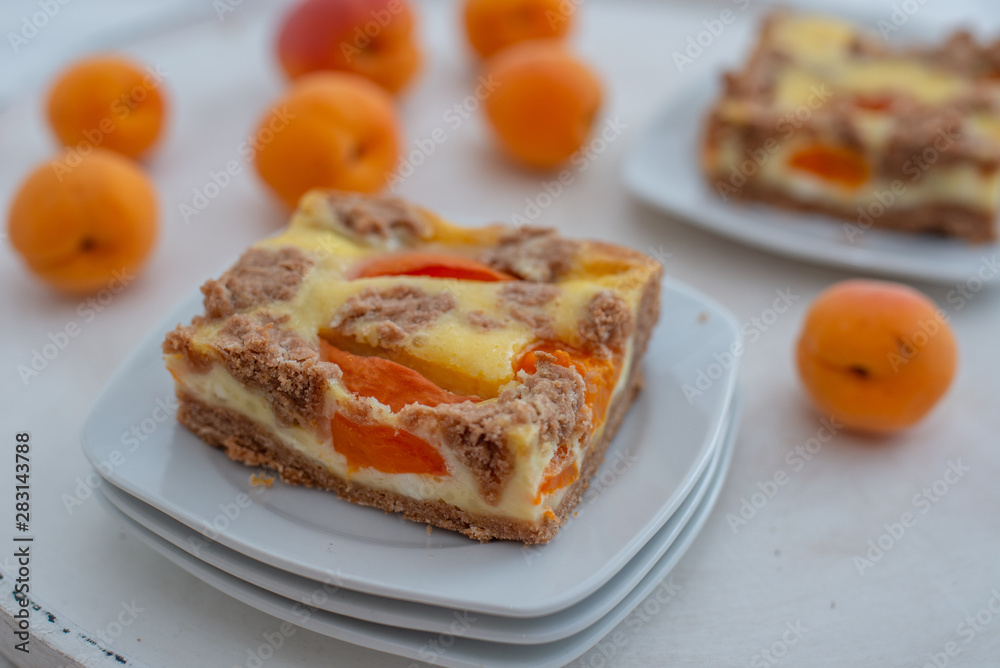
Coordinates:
<point>492,25</point>
<point>877,356</point>
<point>108,102</point>
<point>543,104</point>
<point>332,130</point>
<point>81,227</point>
<point>373,38</point>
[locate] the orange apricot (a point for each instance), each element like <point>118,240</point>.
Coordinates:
<point>492,25</point>
<point>380,447</point>
<point>435,265</point>
<point>83,222</point>
<point>839,165</point>
<point>331,130</point>
<point>390,383</point>
<point>372,38</point>
<point>554,479</point>
<point>544,102</point>
<point>108,102</point>
<point>876,356</point>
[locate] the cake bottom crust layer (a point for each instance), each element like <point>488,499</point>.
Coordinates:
<point>245,440</point>
<point>950,220</point>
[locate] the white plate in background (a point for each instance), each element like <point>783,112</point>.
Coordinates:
<point>663,169</point>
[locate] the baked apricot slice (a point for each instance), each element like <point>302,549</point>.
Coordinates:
<point>380,447</point>
<point>558,474</point>
<point>391,383</point>
<point>600,374</point>
<point>452,379</point>
<point>840,165</point>
<point>436,265</point>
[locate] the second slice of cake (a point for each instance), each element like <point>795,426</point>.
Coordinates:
<point>469,379</point>
<point>824,117</point>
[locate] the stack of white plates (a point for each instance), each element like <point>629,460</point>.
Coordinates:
<point>377,580</point>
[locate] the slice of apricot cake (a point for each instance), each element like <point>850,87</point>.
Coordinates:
<point>467,378</point>
<point>825,117</point>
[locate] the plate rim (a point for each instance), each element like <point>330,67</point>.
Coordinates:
<point>635,597</point>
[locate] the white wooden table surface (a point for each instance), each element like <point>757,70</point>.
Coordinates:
<point>782,588</point>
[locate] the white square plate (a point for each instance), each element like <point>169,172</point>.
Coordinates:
<point>661,450</point>
<point>419,617</point>
<point>453,649</point>
<point>663,169</point>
